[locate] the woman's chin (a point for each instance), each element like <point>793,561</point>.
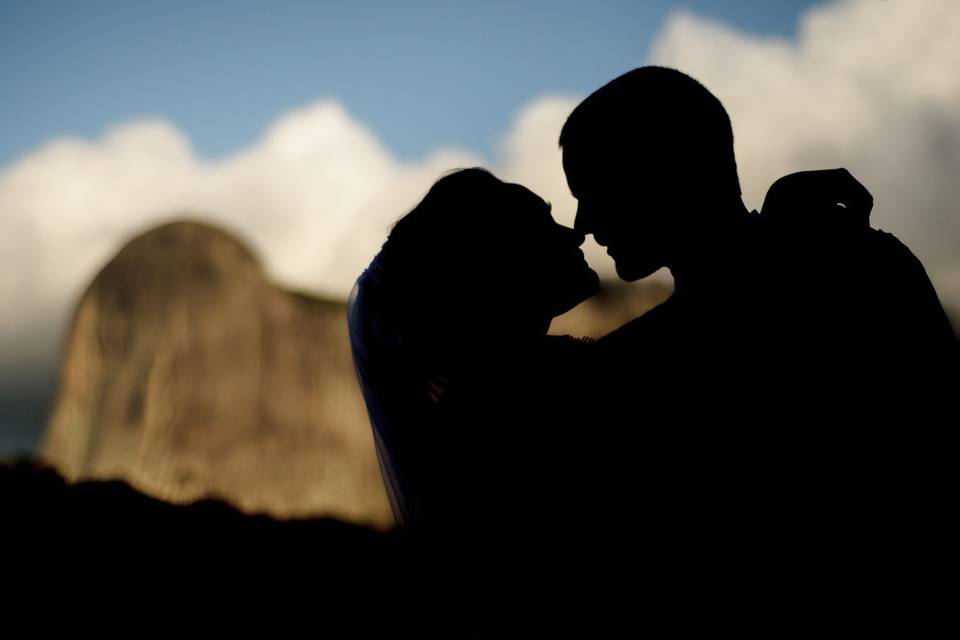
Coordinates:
<point>584,289</point>
<point>591,285</point>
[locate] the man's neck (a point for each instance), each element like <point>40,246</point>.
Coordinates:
<point>708,253</point>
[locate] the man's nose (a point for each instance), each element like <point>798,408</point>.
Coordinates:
<point>578,236</point>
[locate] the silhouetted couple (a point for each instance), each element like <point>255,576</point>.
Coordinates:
<point>791,389</point>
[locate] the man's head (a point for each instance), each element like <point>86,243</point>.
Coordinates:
<point>648,155</point>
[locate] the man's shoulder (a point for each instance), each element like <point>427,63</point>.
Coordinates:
<point>886,245</point>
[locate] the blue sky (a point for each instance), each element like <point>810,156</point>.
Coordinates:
<point>421,75</point>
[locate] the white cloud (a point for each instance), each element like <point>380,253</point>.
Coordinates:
<point>314,196</point>
<point>868,85</point>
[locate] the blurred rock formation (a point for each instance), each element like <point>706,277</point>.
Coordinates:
<point>189,375</point>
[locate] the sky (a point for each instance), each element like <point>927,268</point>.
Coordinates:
<point>421,75</point>
<point>307,128</point>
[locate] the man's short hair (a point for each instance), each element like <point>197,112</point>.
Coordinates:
<point>660,109</point>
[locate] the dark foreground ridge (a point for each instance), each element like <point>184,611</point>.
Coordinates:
<point>49,523</point>
<point>66,542</point>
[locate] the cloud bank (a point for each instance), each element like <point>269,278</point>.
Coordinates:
<point>315,197</point>
<point>872,86</point>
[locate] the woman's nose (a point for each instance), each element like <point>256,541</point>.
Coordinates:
<point>571,235</point>
<point>583,221</point>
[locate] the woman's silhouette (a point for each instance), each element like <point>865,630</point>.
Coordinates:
<point>448,326</point>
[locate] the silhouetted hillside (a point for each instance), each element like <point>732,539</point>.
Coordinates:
<point>108,530</point>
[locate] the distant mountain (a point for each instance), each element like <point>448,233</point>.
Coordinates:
<point>189,375</point>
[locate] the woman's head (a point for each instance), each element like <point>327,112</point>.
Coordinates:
<point>477,250</point>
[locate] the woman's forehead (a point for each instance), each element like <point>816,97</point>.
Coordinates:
<point>522,197</point>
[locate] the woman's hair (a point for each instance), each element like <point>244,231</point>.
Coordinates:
<point>442,251</point>
<point>450,221</point>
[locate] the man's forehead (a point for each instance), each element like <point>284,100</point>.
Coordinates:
<point>581,170</point>
<point>585,169</point>
<point>594,180</point>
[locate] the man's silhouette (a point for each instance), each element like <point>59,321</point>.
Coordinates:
<point>753,399</point>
